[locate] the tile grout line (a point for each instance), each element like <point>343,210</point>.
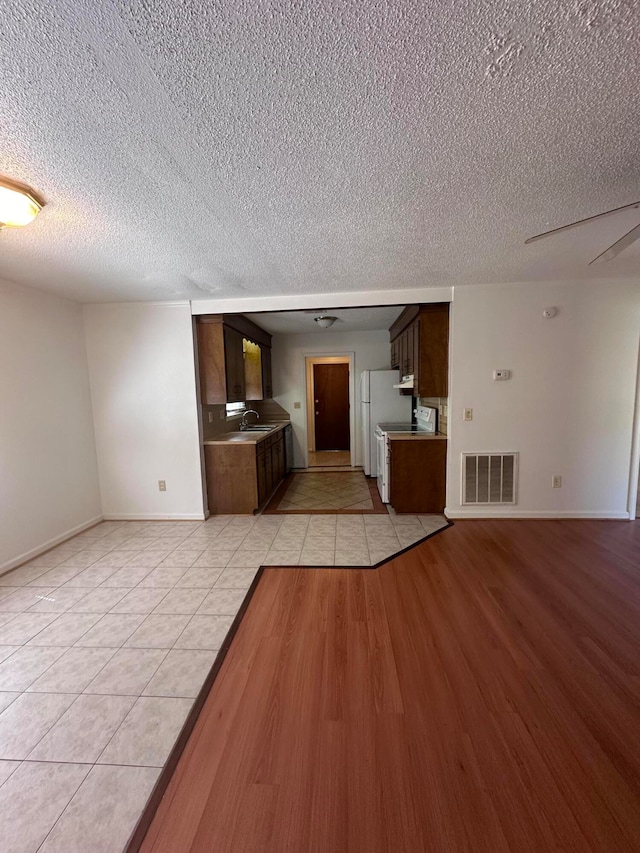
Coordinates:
<point>80,783</point>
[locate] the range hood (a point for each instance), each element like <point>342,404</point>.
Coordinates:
<point>406,382</point>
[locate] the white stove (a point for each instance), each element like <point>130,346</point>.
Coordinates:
<point>425,423</point>
<point>401,428</point>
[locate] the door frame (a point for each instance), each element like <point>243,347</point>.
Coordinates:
<point>634,472</point>
<point>333,358</point>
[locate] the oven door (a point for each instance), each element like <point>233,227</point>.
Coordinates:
<point>383,471</point>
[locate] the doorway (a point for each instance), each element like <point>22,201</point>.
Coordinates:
<point>633,506</point>
<point>329,421</point>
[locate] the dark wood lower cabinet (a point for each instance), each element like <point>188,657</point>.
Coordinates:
<point>417,473</point>
<point>241,477</point>
<point>261,465</point>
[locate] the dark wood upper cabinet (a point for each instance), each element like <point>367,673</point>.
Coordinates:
<point>234,365</point>
<point>416,351</point>
<point>395,353</point>
<point>211,361</point>
<point>420,346</point>
<point>267,381</point>
<point>433,370</point>
<point>225,375</point>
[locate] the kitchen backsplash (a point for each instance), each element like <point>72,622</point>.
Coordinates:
<point>269,411</point>
<point>442,405</point>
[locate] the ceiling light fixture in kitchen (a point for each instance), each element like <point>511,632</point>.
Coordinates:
<point>325,321</point>
<point>19,203</point>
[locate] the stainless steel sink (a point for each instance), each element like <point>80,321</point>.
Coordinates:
<point>261,428</point>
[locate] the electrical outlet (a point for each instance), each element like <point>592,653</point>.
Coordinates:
<point>467,414</point>
<point>210,417</point>
<point>223,415</point>
<point>162,485</point>
<point>297,405</point>
<point>556,481</point>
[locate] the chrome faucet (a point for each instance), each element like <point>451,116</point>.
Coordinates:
<point>243,422</point>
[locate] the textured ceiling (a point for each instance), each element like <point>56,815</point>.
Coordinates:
<point>239,148</point>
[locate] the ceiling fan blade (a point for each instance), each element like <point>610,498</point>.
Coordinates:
<point>629,238</point>
<point>582,221</point>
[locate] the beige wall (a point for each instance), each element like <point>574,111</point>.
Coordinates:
<point>143,385</point>
<point>48,474</point>
<point>568,408</point>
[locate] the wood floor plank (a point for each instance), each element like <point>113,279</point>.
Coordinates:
<point>480,692</point>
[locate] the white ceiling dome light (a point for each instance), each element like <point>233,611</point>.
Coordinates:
<point>19,203</point>
<point>325,321</point>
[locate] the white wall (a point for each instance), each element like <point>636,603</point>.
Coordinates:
<point>141,364</point>
<point>568,408</point>
<point>371,350</point>
<point>48,473</point>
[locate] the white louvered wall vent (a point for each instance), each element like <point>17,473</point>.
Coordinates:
<point>489,478</point>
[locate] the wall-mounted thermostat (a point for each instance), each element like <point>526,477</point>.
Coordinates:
<point>502,374</point>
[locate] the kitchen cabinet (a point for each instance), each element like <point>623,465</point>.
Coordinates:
<point>402,343</point>
<point>270,463</point>
<point>420,345</point>
<point>409,345</point>
<point>211,361</point>
<point>264,473</point>
<point>395,354</point>
<point>234,365</point>
<point>241,476</point>
<point>417,474</point>
<point>267,381</point>
<point>226,376</point>
<point>287,433</point>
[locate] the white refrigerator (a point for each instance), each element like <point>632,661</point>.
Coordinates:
<point>380,403</point>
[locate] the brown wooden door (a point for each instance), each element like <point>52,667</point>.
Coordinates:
<point>331,395</point>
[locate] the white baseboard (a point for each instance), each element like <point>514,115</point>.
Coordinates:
<point>141,516</point>
<point>47,546</point>
<point>496,512</point>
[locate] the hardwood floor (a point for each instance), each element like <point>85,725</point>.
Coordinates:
<point>479,693</point>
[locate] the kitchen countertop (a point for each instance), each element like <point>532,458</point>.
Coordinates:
<point>415,436</point>
<point>245,437</point>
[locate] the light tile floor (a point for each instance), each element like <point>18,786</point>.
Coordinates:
<point>326,491</point>
<point>329,458</point>
<point>106,640</point>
